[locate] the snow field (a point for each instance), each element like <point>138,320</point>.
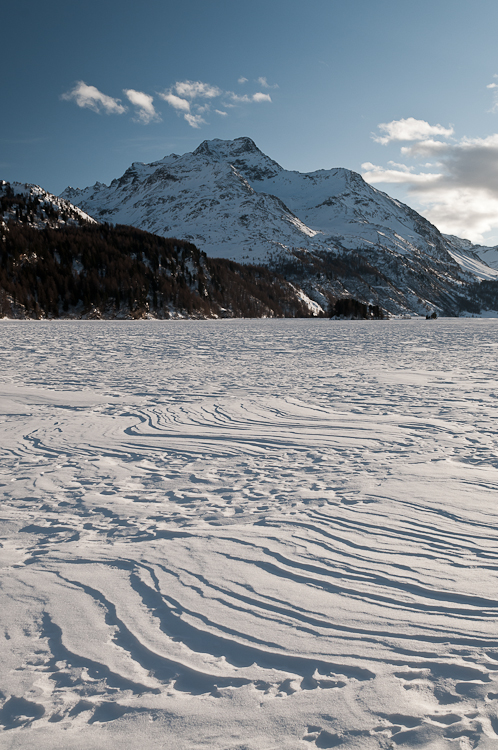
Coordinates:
<point>249,534</point>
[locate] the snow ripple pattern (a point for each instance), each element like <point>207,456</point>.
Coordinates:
<point>249,534</point>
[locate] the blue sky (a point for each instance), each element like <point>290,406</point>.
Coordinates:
<point>404,93</point>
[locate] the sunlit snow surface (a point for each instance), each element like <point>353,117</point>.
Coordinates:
<point>249,534</point>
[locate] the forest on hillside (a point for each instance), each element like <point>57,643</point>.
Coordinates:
<point>119,271</point>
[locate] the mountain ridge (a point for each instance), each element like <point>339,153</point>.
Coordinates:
<point>318,200</point>
<point>233,201</point>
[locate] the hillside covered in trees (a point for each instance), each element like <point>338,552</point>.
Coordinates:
<point>98,270</point>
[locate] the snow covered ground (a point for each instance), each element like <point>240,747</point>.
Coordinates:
<point>249,534</point>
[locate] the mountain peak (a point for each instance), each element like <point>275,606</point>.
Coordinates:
<point>243,154</point>
<point>223,149</point>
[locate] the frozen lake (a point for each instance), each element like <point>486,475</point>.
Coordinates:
<point>249,534</point>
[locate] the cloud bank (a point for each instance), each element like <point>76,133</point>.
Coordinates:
<point>409,130</point>
<point>458,191</point>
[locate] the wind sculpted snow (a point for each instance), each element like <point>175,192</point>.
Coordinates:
<point>249,534</point>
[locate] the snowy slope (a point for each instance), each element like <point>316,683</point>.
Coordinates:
<point>337,205</point>
<point>44,208</point>
<point>482,261</point>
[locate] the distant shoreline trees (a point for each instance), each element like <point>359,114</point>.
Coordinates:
<point>353,309</point>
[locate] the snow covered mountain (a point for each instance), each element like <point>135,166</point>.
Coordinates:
<point>34,206</point>
<point>233,201</point>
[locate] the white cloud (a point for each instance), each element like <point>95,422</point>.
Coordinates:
<point>242,80</point>
<point>264,83</point>
<point>195,121</point>
<point>194,99</point>
<point>143,102</point>
<point>175,101</point>
<point>409,129</point>
<point>247,99</point>
<point>403,167</point>
<point>90,97</point>
<point>259,97</point>
<point>461,197</point>
<point>192,89</point>
<point>466,212</point>
<point>494,108</point>
<point>402,175</point>
<point>429,147</point>
<point>238,99</point>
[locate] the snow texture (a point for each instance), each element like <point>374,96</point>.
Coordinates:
<point>249,534</point>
